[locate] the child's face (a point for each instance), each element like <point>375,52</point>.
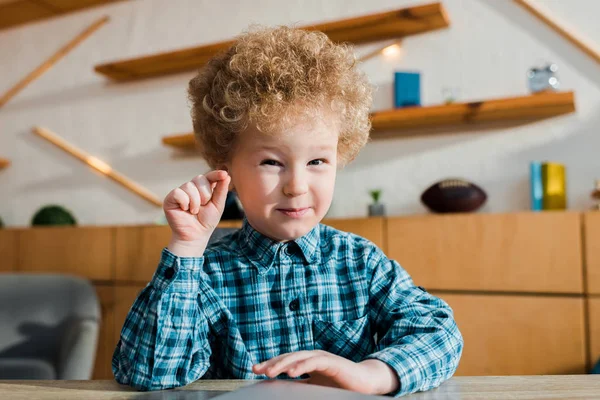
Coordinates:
<point>285,179</point>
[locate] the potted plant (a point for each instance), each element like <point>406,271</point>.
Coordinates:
<point>53,215</point>
<point>376,209</point>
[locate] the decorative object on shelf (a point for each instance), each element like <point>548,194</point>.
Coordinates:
<point>1,223</point>
<point>576,39</point>
<point>596,195</point>
<point>97,164</point>
<point>407,89</point>
<point>394,24</point>
<point>53,215</point>
<point>46,65</point>
<point>233,207</point>
<point>543,78</point>
<point>536,186</point>
<point>4,163</point>
<point>376,209</point>
<point>453,195</point>
<point>548,186</point>
<point>450,94</point>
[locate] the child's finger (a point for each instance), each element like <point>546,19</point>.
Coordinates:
<point>194,197</point>
<point>220,194</point>
<point>203,187</point>
<point>216,175</point>
<point>277,365</point>
<point>322,364</point>
<point>180,198</point>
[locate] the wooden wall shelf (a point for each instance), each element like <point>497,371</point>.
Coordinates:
<point>397,122</point>
<point>4,163</point>
<point>524,108</point>
<point>382,26</point>
<point>23,11</point>
<point>180,141</point>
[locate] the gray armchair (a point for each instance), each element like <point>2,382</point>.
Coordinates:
<point>48,327</point>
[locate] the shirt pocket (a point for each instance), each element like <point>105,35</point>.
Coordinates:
<point>351,339</point>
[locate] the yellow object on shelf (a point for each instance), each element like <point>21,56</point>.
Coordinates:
<point>4,163</point>
<point>554,186</point>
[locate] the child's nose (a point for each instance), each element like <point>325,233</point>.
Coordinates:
<point>296,185</point>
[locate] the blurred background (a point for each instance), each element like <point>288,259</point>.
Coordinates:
<point>485,110</point>
<point>484,53</point>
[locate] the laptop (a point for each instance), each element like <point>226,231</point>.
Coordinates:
<point>264,390</point>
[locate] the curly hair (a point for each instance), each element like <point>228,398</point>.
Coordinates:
<point>260,78</point>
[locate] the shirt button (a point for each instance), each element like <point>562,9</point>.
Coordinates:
<point>169,272</point>
<point>295,305</point>
<point>288,250</point>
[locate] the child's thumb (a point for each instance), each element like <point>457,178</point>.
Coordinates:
<point>220,193</point>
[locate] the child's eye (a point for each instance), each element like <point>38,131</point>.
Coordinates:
<point>319,161</point>
<point>270,162</point>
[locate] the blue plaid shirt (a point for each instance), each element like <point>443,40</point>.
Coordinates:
<point>249,299</point>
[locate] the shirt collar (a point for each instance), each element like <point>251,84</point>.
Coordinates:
<point>262,251</point>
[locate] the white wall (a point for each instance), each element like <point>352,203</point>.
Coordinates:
<point>486,52</point>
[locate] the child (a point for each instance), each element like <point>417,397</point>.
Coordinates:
<point>284,296</point>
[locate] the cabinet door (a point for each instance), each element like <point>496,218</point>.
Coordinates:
<point>591,223</point>
<point>138,251</point>
<point>369,228</point>
<point>8,250</point>
<point>594,321</point>
<point>519,335</point>
<point>519,252</point>
<point>82,251</point>
<point>106,345</point>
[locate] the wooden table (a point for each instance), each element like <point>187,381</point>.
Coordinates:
<point>463,388</point>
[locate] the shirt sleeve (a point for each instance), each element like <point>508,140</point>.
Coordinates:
<point>417,335</point>
<point>164,341</point>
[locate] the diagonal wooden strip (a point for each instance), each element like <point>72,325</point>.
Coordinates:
<point>97,164</point>
<point>46,65</point>
<point>572,37</point>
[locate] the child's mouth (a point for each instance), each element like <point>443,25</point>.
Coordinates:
<point>293,212</point>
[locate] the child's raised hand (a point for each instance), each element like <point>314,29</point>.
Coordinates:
<point>326,369</point>
<point>193,211</point>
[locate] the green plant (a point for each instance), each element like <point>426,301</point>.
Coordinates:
<point>53,215</point>
<point>375,195</point>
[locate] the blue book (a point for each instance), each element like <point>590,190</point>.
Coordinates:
<point>407,89</point>
<point>536,186</point>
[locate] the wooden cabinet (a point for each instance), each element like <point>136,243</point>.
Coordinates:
<point>515,281</point>
<point>591,234</point>
<point>521,252</point>
<point>137,251</point>
<point>594,329</point>
<point>8,250</point>
<point>102,366</point>
<point>369,228</point>
<point>82,251</point>
<point>519,335</point>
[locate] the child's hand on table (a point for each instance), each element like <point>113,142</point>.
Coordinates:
<point>327,369</point>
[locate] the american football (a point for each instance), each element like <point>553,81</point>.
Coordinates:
<point>453,195</point>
